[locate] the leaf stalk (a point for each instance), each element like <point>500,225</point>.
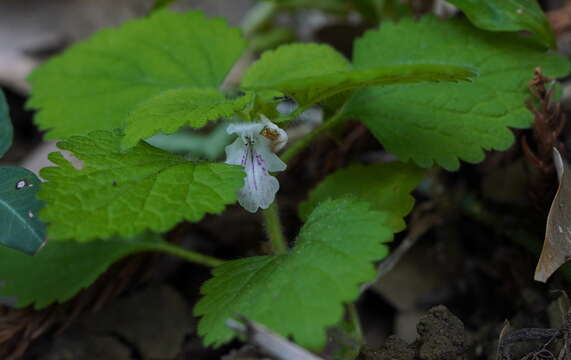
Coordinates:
<point>189,255</point>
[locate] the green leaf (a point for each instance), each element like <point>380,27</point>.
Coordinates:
<point>62,268</point>
<point>125,193</point>
<point>96,84</point>
<point>302,292</point>
<point>385,186</point>
<point>282,68</point>
<point>310,73</point>
<point>508,15</point>
<point>19,208</point>
<point>173,109</point>
<point>5,126</point>
<point>449,121</point>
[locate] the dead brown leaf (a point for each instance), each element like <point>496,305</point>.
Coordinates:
<point>557,244</point>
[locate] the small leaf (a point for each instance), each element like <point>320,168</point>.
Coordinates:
<point>310,73</point>
<point>125,193</point>
<point>173,109</point>
<point>62,268</point>
<point>5,126</point>
<point>512,15</point>
<point>446,122</point>
<point>557,244</point>
<point>283,67</point>
<point>333,255</point>
<point>19,210</point>
<point>385,186</point>
<point>94,85</point>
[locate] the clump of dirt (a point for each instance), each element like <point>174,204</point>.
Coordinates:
<point>441,336</point>
<point>394,348</point>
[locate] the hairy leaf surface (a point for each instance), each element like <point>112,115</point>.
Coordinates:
<point>95,84</point>
<point>310,73</point>
<point>302,292</point>
<point>385,186</point>
<point>173,109</point>
<point>125,193</point>
<point>446,122</point>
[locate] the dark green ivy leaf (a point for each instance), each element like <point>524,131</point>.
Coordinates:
<point>20,225</point>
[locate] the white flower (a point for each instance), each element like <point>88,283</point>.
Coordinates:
<point>254,150</point>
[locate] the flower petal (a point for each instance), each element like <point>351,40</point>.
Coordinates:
<point>259,186</point>
<point>236,152</point>
<point>272,161</point>
<point>245,129</point>
<point>253,151</point>
<point>263,197</point>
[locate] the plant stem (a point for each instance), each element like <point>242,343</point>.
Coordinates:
<point>271,215</point>
<point>186,254</point>
<point>356,322</point>
<point>257,17</point>
<point>274,229</point>
<point>308,139</point>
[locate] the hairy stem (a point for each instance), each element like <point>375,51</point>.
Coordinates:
<point>271,215</point>
<point>309,138</point>
<point>274,230</point>
<point>186,254</point>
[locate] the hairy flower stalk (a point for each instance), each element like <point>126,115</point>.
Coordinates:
<point>254,150</point>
